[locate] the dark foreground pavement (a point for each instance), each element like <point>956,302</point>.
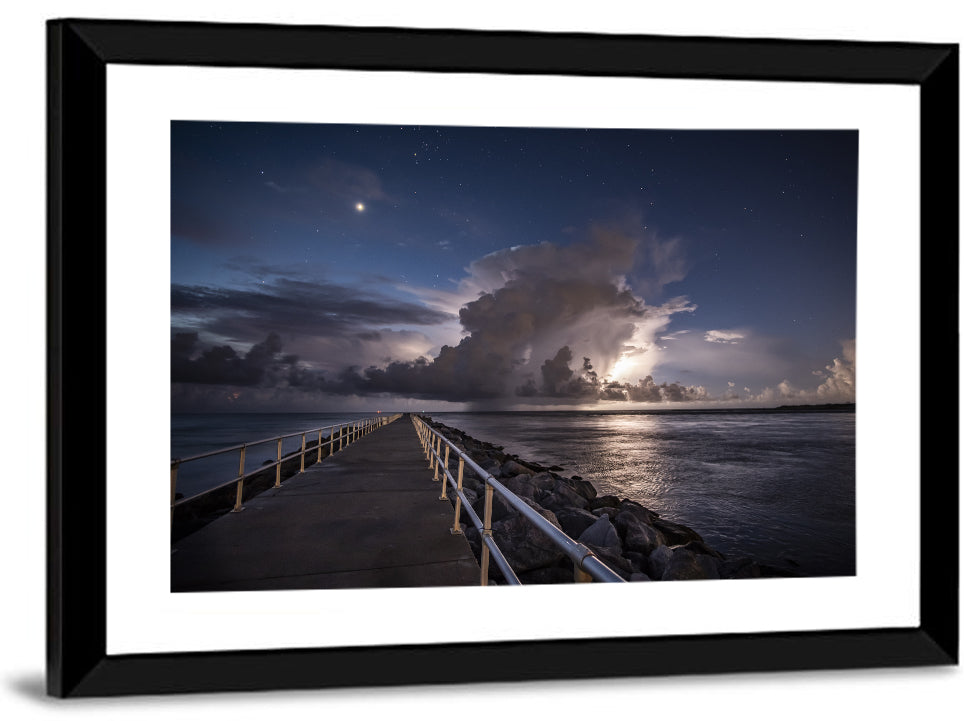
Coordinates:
<point>368,516</point>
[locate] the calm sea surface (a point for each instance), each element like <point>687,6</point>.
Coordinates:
<point>778,487</point>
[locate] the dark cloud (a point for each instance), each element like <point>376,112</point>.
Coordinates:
<point>295,308</point>
<point>646,390</point>
<point>560,381</point>
<point>265,367</point>
<point>222,364</point>
<point>556,372</point>
<point>612,392</point>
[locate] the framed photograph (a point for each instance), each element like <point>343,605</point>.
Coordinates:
<point>295,218</point>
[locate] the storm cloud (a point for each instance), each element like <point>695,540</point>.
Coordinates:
<point>222,364</point>
<point>537,308</point>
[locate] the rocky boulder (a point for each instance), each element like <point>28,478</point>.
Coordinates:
<point>607,511</point>
<point>574,521</point>
<point>676,534</point>
<point>514,468</point>
<point>491,466</point>
<point>639,511</point>
<point>686,565</point>
<point>740,568</point>
<point>544,481</point>
<point>657,561</point>
<point>603,502</point>
<point>500,507</point>
<point>521,485</point>
<point>525,546</point>
<point>636,535</point>
<point>601,533</point>
<point>613,558</point>
<point>549,574</point>
<point>637,559</point>
<point>583,488</point>
<point>563,496</point>
<point>701,547</point>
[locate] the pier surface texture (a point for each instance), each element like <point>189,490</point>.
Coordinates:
<point>368,516</point>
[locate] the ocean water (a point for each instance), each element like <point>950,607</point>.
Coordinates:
<point>195,433</point>
<point>777,487</point>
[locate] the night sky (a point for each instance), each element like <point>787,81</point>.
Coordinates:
<point>368,267</point>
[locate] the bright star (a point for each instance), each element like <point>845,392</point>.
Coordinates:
<point>359,207</point>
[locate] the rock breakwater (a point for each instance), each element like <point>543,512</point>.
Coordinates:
<point>634,541</point>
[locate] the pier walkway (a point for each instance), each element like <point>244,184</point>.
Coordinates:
<point>367,516</point>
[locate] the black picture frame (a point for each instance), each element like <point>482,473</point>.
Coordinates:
<point>79,52</point>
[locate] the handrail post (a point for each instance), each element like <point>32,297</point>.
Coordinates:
<point>445,470</point>
<point>341,436</point>
<point>174,466</point>
<point>486,533</point>
<point>240,492</point>
<point>302,453</point>
<point>277,468</point>
<point>578,575</point>
<point>319,446</point>
<point>456,529</point>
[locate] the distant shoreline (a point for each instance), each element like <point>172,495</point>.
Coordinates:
<point>822,408</point>
<point>803,408</point>
<point>846,407</point>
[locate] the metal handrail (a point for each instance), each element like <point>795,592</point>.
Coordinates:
<point>355,430</point>
<point>586,565</point>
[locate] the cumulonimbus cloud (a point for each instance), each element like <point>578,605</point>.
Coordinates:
<point>536,309</point>
<point>841,384</point>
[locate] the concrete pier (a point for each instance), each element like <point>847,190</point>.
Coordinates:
<point>368,516</point>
